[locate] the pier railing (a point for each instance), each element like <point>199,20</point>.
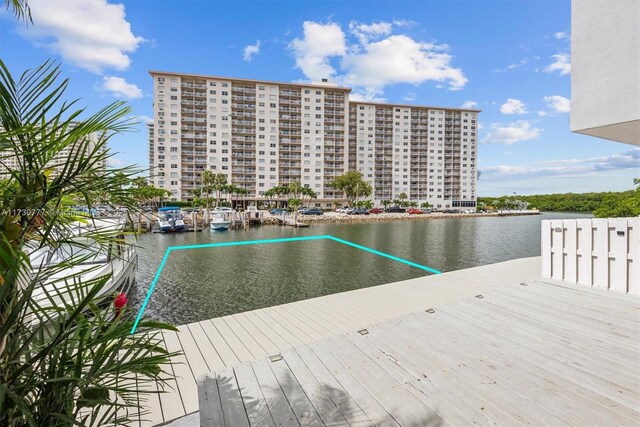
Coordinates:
<point>599,252</point>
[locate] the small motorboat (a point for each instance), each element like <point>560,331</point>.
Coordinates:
<point>219,223</point>
<point>170,220</point>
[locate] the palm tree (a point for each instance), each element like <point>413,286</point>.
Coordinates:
<point>207,180</point>
<point>219,185</point>
<point>82,366</point>
<point>294,204</point>
<point>295,189</point>
<point>20,8</point>
<point>308,192</point>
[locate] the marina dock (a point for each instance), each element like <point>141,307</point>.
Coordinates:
<point>486,345</point>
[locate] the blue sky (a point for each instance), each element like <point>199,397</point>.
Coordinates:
<point>509,58</point>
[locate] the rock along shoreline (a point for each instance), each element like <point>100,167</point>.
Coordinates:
<point>337,218</point>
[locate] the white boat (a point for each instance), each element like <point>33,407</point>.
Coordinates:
<point>170,220</point>
<point>61,285</point>
<point>219,223</point>
<point>223,210</point>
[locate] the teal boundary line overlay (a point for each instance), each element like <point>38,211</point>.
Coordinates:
<point>261,242</point>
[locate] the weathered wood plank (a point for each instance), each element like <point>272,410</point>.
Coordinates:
<point>371,407</point>
<point>399,403</point>
<point>316,393</point>
<point>433,377</point>
<point>305,412</point>
<point>559,383</point>
<point>340,397</point>
<point>608,319</point>
<point>254,402</point>
<point>209,401</point>
<point>277,402</point>
<point>231,399</point>
<point>462,384</point>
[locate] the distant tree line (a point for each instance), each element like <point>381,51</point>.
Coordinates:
<point>602,205</point>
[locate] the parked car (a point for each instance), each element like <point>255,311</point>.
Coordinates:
<point>312,211</point>
<point>359,211</point>
<point>347,210</point>
<point>426,210</point>
<point>376,211</point>
<point>414,211</point>
<point>395,209</point>
<point>278,211</point>
<point>342,209</point>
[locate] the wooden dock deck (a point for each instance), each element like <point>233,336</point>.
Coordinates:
<point>539,354</point>
<point>237,347</point>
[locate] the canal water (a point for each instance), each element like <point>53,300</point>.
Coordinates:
<point>200,284</point>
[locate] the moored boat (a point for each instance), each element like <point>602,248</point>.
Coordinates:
<point>219,223</point>
<point>62,285</point>
<point>170,220</point>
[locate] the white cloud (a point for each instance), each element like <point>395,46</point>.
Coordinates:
<point>568,167</point>
<point>92,34</point>
<point>358,95</point>
<point>511,133</point>
<point>400,59</point>
<point>374,60</point>
<point>558,103</point>
<point>404,23</point>
<point>542,113</point>
<point>251,50</point>
<point>366,32</point>
<point>561,35</point>
<point>513,106</point>
<point>521,63</point>
<point>142,118</point>
<point>120,88</point>
<point>561,63</point>
<point>320,42</point>
<point>113,162</point>
<point>469,104</point>
<point>409,96</point>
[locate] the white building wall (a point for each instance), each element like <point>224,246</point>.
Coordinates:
<point>605,69</point>
<point>218,122</point>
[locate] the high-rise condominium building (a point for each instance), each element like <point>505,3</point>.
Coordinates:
<point>10,161</point>
<point>261,134</point>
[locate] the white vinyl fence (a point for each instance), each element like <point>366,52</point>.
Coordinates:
<point>602,252</point>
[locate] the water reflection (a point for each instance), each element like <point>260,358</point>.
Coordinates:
<point>205,283</point>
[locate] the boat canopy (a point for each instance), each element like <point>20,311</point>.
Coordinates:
<point>168,208</point>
